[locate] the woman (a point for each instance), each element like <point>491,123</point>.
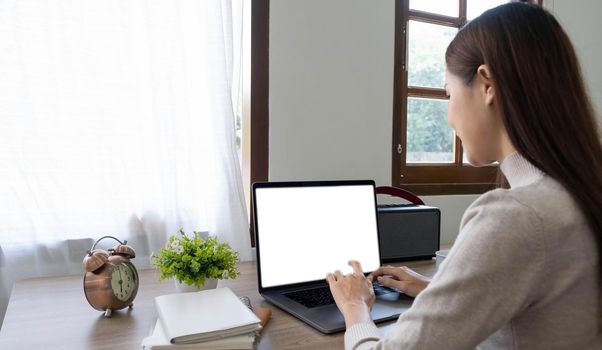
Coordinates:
<point>524,272</point>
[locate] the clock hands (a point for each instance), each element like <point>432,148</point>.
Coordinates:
<point>120,281</point>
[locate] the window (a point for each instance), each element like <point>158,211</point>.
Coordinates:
<point>428,157</point>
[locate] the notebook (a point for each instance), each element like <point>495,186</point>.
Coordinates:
<point>159,341</point>
<point>304,230</point>
<point>204,316</point>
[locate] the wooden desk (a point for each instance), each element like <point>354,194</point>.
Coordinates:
<point>52,313</point>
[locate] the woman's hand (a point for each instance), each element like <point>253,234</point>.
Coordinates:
<point>353,294</point>
<point>403,278</point>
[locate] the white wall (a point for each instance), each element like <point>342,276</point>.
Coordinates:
<point>331,90</point>
<point>581,21</point>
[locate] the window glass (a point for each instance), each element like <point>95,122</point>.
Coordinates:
<point>474,8</point>
<point>426,55</point>
<point>430,139</point>
<point>441,7</point>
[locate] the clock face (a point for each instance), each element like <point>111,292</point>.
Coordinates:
<point>123,281</point>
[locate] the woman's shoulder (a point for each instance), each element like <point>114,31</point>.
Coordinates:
<point>501,214</point>
<point>545,200</point>
<point>542,210</point>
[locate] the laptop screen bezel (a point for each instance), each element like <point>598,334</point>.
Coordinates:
<point>329,183</point>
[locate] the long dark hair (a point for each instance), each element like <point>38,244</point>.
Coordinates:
<point>546,110</point>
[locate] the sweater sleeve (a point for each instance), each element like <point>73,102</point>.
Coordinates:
<point>488,277</point>
<point>361,336</point>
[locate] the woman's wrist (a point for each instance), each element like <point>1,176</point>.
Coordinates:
<point>355,313</point>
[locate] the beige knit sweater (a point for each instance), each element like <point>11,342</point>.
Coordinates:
<point>522,274</point>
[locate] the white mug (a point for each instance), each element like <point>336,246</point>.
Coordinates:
<point>440,255</point>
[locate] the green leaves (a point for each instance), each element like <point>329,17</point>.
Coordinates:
<point>193,259</point>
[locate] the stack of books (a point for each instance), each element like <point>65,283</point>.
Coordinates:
<point>209,319</point>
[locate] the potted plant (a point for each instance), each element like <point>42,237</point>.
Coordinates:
<point>195,261</point>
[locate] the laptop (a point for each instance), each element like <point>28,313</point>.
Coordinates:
<point>304,230</point>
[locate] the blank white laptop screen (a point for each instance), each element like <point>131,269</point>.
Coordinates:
<point>306,232</point>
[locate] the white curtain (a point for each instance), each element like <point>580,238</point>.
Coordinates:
<point>116,118</point>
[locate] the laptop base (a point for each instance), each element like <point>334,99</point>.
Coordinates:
<point>328,319</point>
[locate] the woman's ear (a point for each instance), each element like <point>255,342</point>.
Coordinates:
<point>486,83</point>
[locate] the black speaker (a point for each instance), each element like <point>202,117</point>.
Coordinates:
<point>408,232</point>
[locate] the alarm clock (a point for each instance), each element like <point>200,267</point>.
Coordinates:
<point>110,279</point>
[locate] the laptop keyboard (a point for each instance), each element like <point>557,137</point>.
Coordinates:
<point>379,289</point>
<point>321,296</point>
<point>312,297</point>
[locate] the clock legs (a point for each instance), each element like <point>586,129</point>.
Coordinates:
<point>108,313</point>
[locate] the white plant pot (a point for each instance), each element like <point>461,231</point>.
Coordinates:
<point>210,283</point>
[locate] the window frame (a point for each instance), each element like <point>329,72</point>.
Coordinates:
<point>432,178</point>
<point>260,78</point>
